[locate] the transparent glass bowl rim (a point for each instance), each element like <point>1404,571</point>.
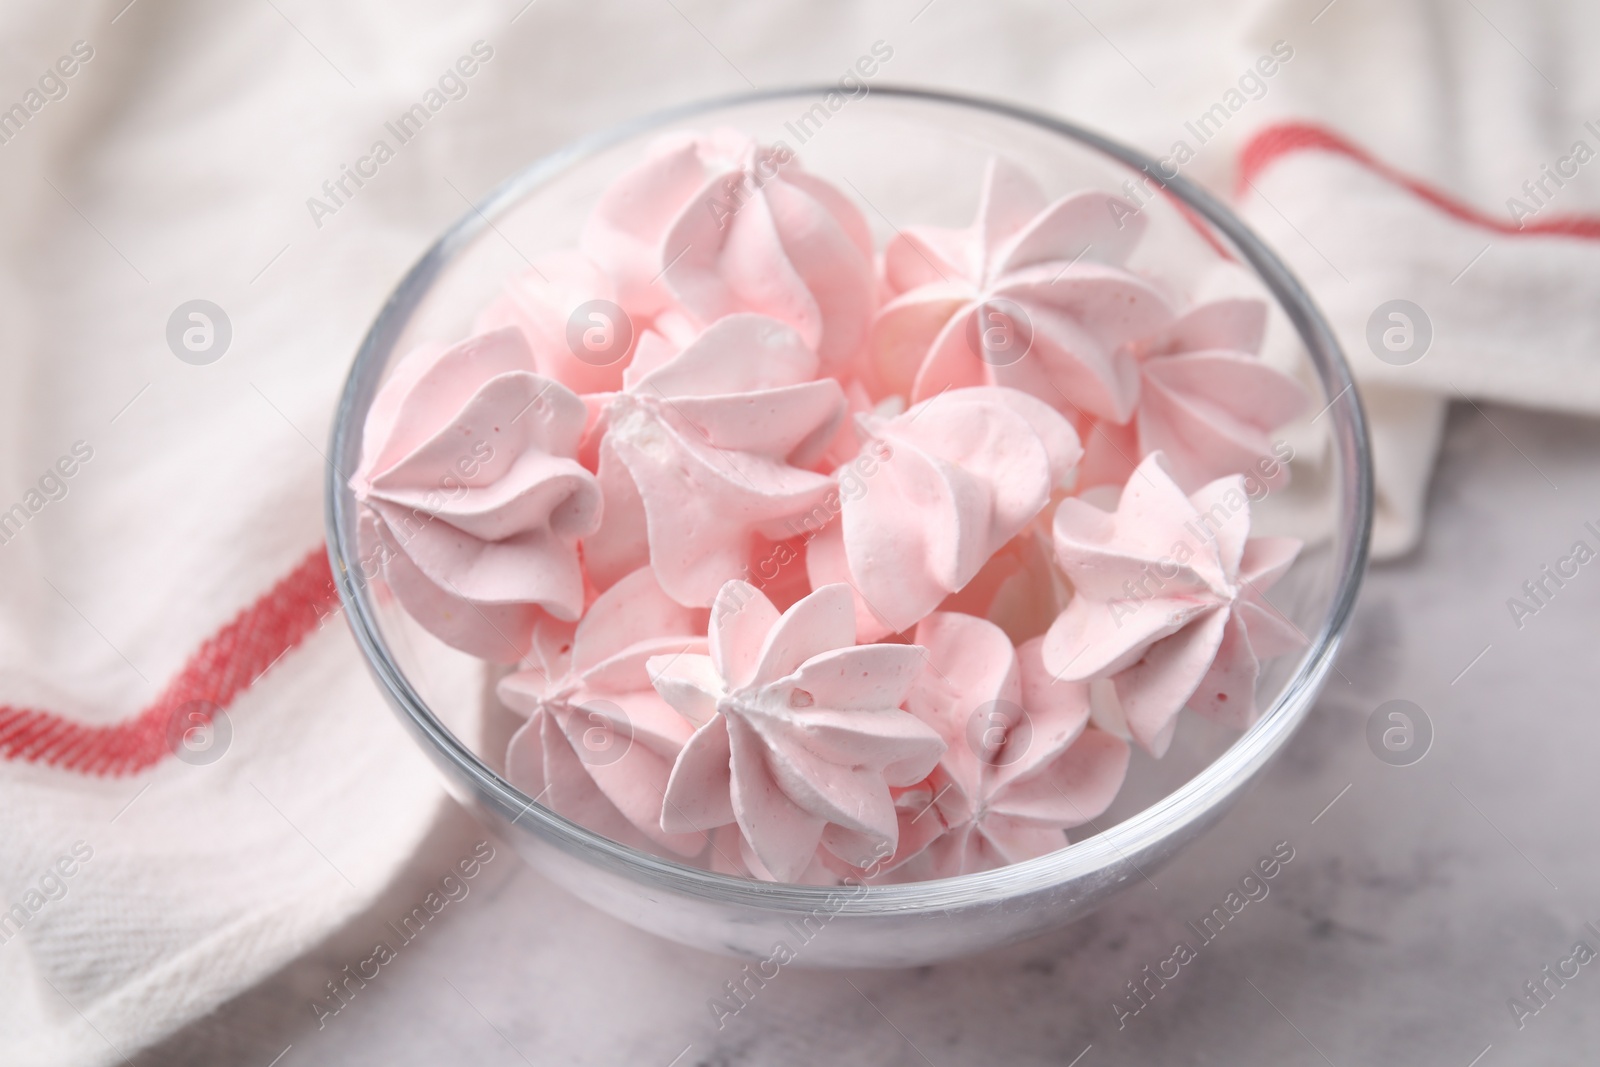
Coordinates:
<point>1144,833</point>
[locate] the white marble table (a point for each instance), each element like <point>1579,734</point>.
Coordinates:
<point>1414,908</point>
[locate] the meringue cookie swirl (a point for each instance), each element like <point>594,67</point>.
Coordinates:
<point>599,742</point>
<point>710,225</point>
<point>1168,608</point>
<point>1207,402</point>
<point>709,449</point>
<point>472,498</point>
<point>798,731</point>
<point>1032,296</point>
<point>541,303</point>
<point>965,472</point>
<point>1020,767</point>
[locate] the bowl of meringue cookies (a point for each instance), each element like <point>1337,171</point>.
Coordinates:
<point>849,529</point>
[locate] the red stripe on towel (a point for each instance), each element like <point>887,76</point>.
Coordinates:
<point>1273,143</point>
<point>225,665</point>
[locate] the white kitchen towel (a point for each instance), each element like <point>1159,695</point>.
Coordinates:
<point>164,559</point>
<point>166,551</point>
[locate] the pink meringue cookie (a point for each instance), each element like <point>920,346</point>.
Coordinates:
<point>798,731</point>
<point>473,500</point>
<point>1031,296</point>
<point>1168,607</point>
<point>710,225</point>
<point>1019,589</point>
<point>567,310</point>
<point>599,743</point>
<point>708,451</point>
<point>965,472</point>
<point>1206,402</point>
<point>731,854</point>
<point>1020,767</point>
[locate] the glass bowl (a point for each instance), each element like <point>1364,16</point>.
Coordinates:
<point>881,145</point>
